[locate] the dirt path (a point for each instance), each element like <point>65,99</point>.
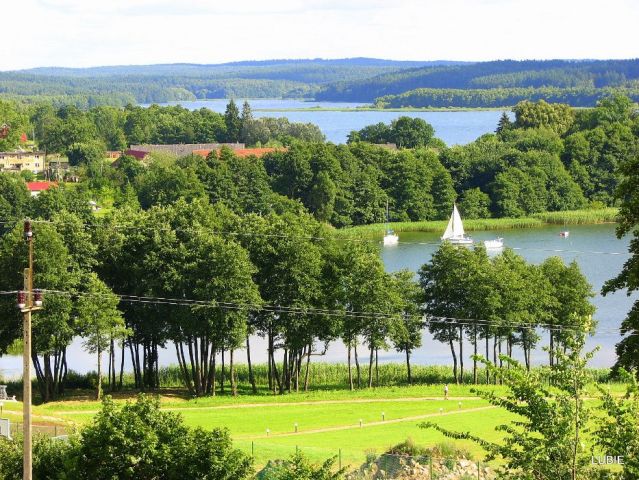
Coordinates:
<point>37,416</point>
<point>370,424</point>
<point>283,404</point>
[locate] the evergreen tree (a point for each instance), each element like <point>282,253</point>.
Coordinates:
<point>504,123</point>
<point>233,122</point>
<point>246,121</point>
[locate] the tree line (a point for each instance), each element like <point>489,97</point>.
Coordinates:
<point>500,96</point>
<point>281,275</point>
<point>503,74</point>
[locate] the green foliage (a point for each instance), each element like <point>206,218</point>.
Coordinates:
<point>474,204</point>
<point>628,194</point>
<point>139,441</point>
<point>405,132</point>
<point>553,116</point>
<point>298,467</point>
<point>617,432</point>
<point>481,83</point>
<point>547,438</point>
<point>85,153</point>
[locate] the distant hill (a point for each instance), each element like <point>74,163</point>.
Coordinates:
<point>118,85</point>
<point>367,80</point>
<point>307,70</point>
<point>585,74</point>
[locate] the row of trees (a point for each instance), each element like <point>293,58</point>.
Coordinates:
<point>500,97</point>
<point>281,276</point>
<point>59,130</point>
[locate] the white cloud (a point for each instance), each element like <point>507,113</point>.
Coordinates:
<point>92,32</point>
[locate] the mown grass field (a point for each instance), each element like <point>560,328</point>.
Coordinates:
<point>328,422</point>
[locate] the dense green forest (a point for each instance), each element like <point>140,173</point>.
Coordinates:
<point>441,84</point>
<point>586,75</point>
<point>500,97</point>
<point>88,87</point>
<point>551,158</point>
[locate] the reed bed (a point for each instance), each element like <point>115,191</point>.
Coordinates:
<point>568,217</point>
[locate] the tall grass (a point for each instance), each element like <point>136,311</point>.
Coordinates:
<point>568,217</point>
<point>322,376</point>
<point>579,217</point>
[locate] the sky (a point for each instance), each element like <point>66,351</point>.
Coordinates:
<point>82,33</point>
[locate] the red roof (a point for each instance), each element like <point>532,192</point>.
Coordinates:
<point>139,154</point>
<point>243,152</point>
<point>40,186</point>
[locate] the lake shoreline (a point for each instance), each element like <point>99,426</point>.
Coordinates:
<point>572,217</point>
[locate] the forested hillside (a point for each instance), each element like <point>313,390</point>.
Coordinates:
<point>119,85</point>
<point>584,75</point>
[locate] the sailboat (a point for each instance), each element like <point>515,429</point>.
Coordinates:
<point>390,238</point>
<point>455,230</point>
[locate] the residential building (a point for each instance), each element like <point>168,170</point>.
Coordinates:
<point>36,188</point>
<point>21,160</point>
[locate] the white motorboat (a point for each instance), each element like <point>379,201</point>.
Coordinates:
<point>390,237</point>
<point>455,230</point>
<point>495,244</point>
<point>564,234</point>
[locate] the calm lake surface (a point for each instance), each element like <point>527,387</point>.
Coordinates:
<point>533,244</point>
<point>452,127</point>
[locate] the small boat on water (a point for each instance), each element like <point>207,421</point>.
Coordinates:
<point>494,244</point>
<point>455,230</point>
<point>564,234</point>
<point>390,237</point>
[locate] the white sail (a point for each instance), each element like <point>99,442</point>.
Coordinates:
<point>458,226</point>
<point>455,230</point>
<point>455,226</point>
<point>449,230</point>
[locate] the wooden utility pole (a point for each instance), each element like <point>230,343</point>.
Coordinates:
<point>28,301</point>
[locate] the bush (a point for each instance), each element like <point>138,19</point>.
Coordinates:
<point>297,467</point>
<point>136,441</point>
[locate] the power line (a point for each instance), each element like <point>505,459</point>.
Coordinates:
<point>278,309</point>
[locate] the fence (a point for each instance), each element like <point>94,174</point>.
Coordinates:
<point>361,465</point>
<point>48,430</point>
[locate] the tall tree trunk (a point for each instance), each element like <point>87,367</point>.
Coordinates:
<point>370,367</point>
<point>475,354</point>
<point>487,339</point>
<point>452,351</point>
<point>410,378</point>
<point>461,354</point>
<point>307,375</point>
<point>98,393</point>
<point>551,350</point>
<point>376,367</point>
<point>121,365</point>
<point>495,357</point>
<point>222,374</point>
<point>359,374</point>
<point>350,371</point>
<point>250,366</point>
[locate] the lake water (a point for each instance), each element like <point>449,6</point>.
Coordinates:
<point>452,127</point>
<point>585,245</point>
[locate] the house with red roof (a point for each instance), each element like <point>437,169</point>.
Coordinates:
<point>35,188</point>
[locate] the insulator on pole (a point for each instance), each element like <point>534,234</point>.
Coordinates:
<point>22,299</point>
<point>28,233</point>
<point>37,297</point>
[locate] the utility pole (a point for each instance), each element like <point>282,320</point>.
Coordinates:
<point>29,300</point>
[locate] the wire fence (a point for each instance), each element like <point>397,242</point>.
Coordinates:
<point>47,430</point>
<point>361,465</point>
